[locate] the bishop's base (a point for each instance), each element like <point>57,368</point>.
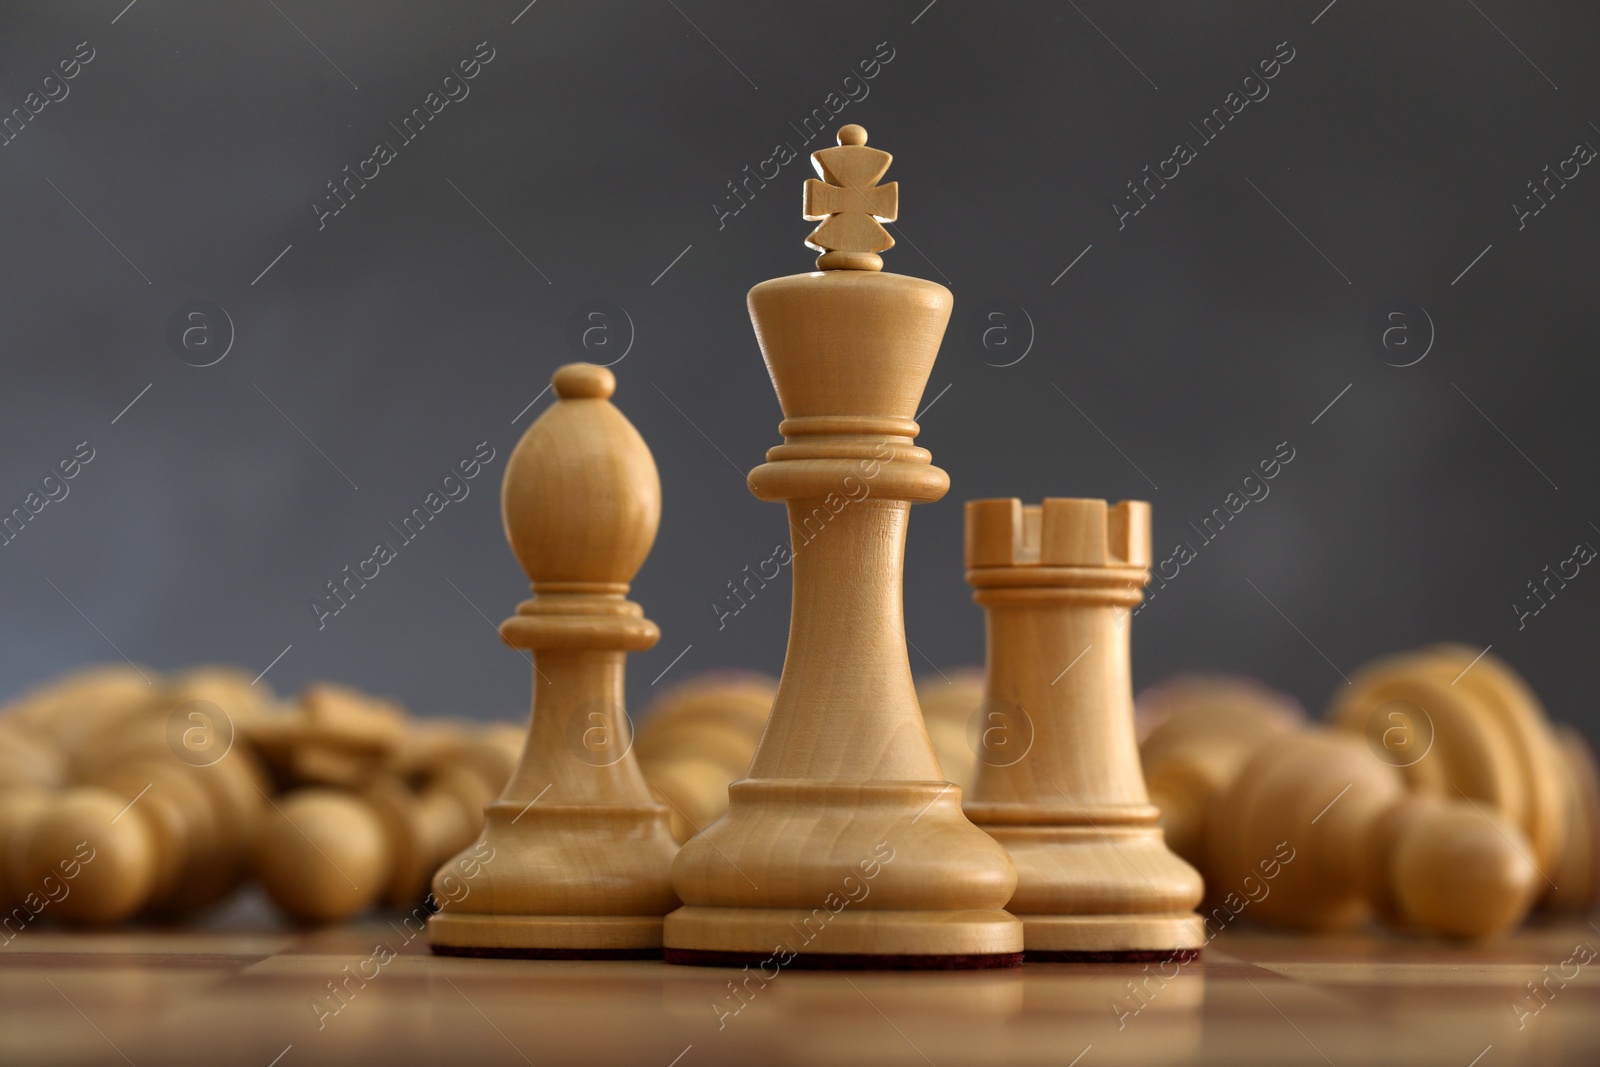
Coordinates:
<point>844,940</point>
<point>1109,938</point>
<point>546,937</point>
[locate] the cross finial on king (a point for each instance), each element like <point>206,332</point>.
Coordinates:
<point>850,204</point>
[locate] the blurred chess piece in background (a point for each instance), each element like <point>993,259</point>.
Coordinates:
<point>697,738</point>
<point>951,701</point>
<point>1437,797</point>
<point>125,793</point>
<point>370,801</point>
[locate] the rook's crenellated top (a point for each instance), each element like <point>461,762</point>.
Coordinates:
<point>1061,532</point>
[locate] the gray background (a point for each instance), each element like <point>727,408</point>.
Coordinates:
<point>598,140</point>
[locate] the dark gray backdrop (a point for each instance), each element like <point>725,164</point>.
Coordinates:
<point>590,161</point>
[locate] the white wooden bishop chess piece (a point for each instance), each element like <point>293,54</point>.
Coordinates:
<point>845,846</point>
<point>1058,782</point>
<point>575,856</point>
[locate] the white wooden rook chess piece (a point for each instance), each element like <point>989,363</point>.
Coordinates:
<point>1058,780</point>
<point>845,846</point>
<point>574,860</point>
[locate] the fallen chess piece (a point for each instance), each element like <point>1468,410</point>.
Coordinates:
<point>19,809</point>
<point>117,861</point>
<point>72,711</point>
<point>168,832</point>
<point>327,855</point>
<point>125,794</point>
<point>375,800</point>
<point>1353,842</point>
<point>333,735</point>
<point>1462,724</point>
<point>1577,878</point>
<point>1202,730</point>
<point>1437,802</point>
<point>29,758</point>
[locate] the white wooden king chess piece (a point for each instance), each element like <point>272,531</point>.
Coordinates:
<point>845,846</point>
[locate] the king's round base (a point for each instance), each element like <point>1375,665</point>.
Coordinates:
<point>837,961</point>
<point>886,870</point>
<point>843,940</point>
<point>546,937</point>
<point>1112,938</point>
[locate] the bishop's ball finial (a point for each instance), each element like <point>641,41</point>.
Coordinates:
<point>575,381</point>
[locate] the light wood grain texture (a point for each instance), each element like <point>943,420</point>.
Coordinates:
<point>845,779</point>
<point>850,204</point>
<point>1058,780</point>
<point>576,853</point>
<point>699,737</point>
<point>244,993</point>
